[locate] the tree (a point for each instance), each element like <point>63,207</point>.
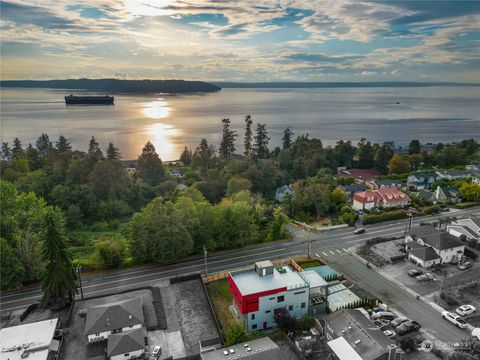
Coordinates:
<point>17,150</point>
<point>261,142</point>
<point>62,145</point>
<point>186,156</point>
<point>277,230</point>
<point>383,154</point>
<point>227,144</point>
<point>94,151</point>
<point>149,165</point>
<point>59,280</point>
<point>285,321</point>
<point>287,138</point>
<point>6,152</point>
<point>399,164</point>
<point>236,334</point>
<point>339,197</point>
<point>204,155</point>
<point>158,233</point>
<point>236,184</point>
<point>414,147</point>
<point>112,152</point>
<point>109,253</point>
<point>43,145</point>
<point>109,179</point>
<point>248,136</point>
<point>415,161</point>
<point>366,154</point>
<point>12,272</point>
<point>344,152</point>
<point>470,192</point>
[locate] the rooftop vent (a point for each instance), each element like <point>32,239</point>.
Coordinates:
<point>357,342</point>
<point>225,352</point>
<point>349,328</point>
<point>130,317</point>
<point>232,351</point>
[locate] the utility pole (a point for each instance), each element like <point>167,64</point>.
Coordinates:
<point>79,270</point>
<point>205,259</point>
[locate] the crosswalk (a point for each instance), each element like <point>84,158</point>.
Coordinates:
<point>332,252</point>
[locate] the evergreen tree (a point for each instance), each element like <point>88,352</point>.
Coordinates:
<point>62,145</point>
<point>94,151</point>
<point>17,149</point>
<point>287,138</point>
<point>33,157</point>
<point>6,152</point>
<point>43,145</point>
<point>112,152</point>
<point>414,147</point>
<point>248,136</point>
<point>186,156</point>
<point>382,157</point>
<point>59,280</point>
<point>227,144</point>
<point>149,165</point>
<point>261,142</point>
<point>204,155</point>
<point>366,154</point>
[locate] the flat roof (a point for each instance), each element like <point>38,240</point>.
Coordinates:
<point>314,279</point>
<point>33,339</point>
<point>261,349</point>
<point>324,271</point>
<point>248,282</point>
<point>340,296</point>
<point>343,350</point>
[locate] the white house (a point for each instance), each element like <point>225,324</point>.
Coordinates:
<point>126,345</point>
<point>428,246</point>
<point>384,197</point>
<point>104,320</point>
<point>468,227</point>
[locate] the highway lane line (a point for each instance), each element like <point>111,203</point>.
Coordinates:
<point>345,250</point>
<point>331,252</point>
<point>317,255</point>
<point>339,251</point>
<point>324,253</point>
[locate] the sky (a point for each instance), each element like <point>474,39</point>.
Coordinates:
<point>241,40</point>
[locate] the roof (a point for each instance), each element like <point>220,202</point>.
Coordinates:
<point>442,240</point>
<point>33,339</point>
<point>313,278</point>
<point>248,281</point>
<point>261,349</point>
<point>125,342</point>
<point>343,350</point>
<point>360,174</point>
<point>352,325</point>
<point>428,195</point>
<point>340,296</point>
<point>454,172</point>
<point>420,231</point>
<point>324,271</point>
<point>450,192</point>
<point>465,230</point>
<point>424,253</point>
<point>424,176</point>
<point>112,316</point>
<point>366,196</point>
<point>387,182</point>
<point>353,188</point>
<point>393,195</point>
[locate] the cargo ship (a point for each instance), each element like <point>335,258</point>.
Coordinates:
<point>89,100</point>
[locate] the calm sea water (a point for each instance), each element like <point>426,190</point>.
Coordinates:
<point>431,114</point>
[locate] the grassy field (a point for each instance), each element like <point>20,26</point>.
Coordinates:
<point>310,264</point>
<point>221,300</point>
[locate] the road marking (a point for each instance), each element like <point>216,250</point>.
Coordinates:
<point>345,250</point>
<point>317,255</point>
<point>324,253</point>
<point>331,252</point>
<point>339,251</point>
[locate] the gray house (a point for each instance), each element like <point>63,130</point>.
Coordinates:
<point>448,195</point>
<point>421,181</point>
<point>282,192</point>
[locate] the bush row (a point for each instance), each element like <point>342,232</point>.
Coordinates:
<point>392,215</point>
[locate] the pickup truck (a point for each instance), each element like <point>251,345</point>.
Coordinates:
<point>407,326</point>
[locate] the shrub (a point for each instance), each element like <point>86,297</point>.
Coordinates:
<point>235,335</point>
<point>434,209</point>
<point>449,298</point>
<point>109,253</point>
<point>392,215</point>
<point>407,343</point>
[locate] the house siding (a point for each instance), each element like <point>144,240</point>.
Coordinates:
<point>131,355</point>
<point>104,335</point>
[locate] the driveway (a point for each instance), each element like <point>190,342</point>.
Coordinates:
<point>396,297</point>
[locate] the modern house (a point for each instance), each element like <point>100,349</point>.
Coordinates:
<point>468,227</point>
<point>361,176</point>
<point>381,198</point>
<point>421,181</point>
<point>258,294</point>
<point>352,336</point>
<point>382,184</point>
<point>453,174</point>
<point>105,320</point>
<point>126,345</point>
<point>447,195</point>
<point>259,349</point>
<point>428,246</point>
<point>36,341</point>
<point>282,192</point>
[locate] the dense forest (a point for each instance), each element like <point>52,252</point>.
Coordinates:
<point>108,215</point>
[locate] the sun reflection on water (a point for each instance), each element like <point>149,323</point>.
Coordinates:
<point>158,109</point>
<point>162,137</point>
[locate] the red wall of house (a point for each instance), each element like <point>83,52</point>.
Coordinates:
<point>248,303</point>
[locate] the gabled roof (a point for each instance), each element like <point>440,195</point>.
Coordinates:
<point>112,316</point>
<point>353,188</point>
<point>442,240</point>
<point>284,189</point>
<point>125,342</point>
<point>387,182</point>
<point>392,195</point>
<point>428,195</point>
<point>425,253</point>
<point>424,176</point>
<point>454,172</point>
<point>360,174</point>
<point>449,192</point>
<point>420,231</point>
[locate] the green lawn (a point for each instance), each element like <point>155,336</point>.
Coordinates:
<point>310,264</point>
<point>221,299</point>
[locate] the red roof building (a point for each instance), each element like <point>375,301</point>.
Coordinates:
<point>386,198</point>
<point>360,175</point>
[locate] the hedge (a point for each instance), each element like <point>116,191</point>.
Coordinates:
<point>393,215</point>
<point>466,205</point>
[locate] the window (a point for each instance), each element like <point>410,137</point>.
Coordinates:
<point>268,311</point>
<point>271,298</point>
<point>300,292</point>
<point>127,354</point>
<point>290,307</point>
<point>303,305</point>
<point>97,334</point>
<point>253,316</point>
<point>280,299</point>
<point>254,326</point>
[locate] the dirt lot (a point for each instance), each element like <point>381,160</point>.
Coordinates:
<point>387,250</point>
<point>221,301</point>
<point>76,345</point>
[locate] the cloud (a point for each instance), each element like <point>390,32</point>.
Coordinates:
<point>368,73</point>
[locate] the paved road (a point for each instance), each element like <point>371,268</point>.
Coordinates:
<point>326,244</point>
<point>398,298</point>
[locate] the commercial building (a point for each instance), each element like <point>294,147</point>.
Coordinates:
<point>381,198</point>
<point>470,228</point>
<point>352,336</point>
<point>104,320</point>
<point>259,349</point>
<point>33,341</point>
<point>258,294</point>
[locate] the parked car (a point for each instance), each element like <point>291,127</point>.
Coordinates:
<point>384,315</point>
<point>390,333</point>
<point>454,319</point>
<point>359,231</point>
<point>476,333</point>
<point>407,326</point>
<point>415,273</point>
<point>156,352</point>
<point>423,278</point>
<point>465,310</point>
<point>398,321</point>
<point>465,265</point>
